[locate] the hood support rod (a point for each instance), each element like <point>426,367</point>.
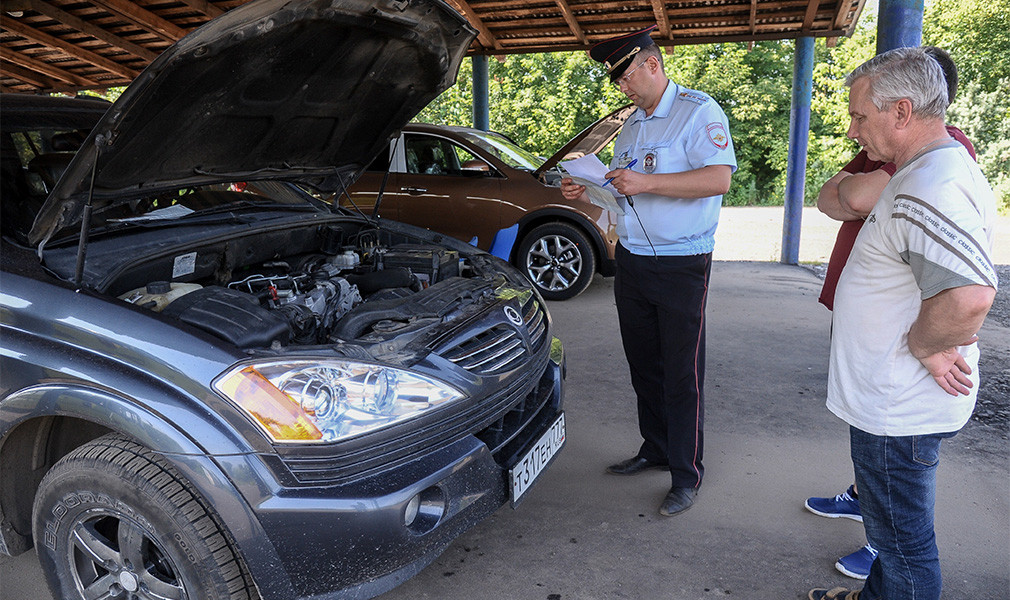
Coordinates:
<point>82,244</point>
<point>385,176</point>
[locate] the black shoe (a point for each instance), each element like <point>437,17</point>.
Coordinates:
<point>633,466</point>
<point>677,501</point>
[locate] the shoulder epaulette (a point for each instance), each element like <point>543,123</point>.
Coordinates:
<point>693,97</point>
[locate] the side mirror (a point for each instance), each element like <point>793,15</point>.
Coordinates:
<point>476,165</point>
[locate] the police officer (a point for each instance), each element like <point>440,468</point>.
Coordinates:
<point>672,161</point>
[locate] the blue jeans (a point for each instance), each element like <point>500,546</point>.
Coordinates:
<point>896,478</point>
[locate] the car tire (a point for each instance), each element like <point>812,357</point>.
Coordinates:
<point>558,258</point>
<point>114,518</point>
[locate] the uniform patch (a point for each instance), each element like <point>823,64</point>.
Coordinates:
<point>717,135</point>
<point>693,97</point>
<point>649,163</point>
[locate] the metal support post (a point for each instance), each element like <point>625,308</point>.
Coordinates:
<point>799,131</point>
<point>899,24</point>
<point>481,111</point>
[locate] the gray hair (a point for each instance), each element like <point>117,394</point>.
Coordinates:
<point>908,73</point>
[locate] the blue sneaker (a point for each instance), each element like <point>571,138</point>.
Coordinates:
<point>857,564</point>
<point>844,505</point>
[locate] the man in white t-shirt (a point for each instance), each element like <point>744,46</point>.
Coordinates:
<point>913,295</point>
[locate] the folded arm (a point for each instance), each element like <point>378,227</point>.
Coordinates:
<point>851,196</point>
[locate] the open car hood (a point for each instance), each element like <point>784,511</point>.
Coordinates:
<point>300,90</point>
<point>590,140</point>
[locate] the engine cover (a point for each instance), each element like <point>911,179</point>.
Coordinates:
<point>232,315</point>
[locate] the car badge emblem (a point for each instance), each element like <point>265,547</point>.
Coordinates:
<point>513,315</point>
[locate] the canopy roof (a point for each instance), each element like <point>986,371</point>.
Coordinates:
<point>70,45</point>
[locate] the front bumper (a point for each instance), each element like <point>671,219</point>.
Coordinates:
<point>361,538</point>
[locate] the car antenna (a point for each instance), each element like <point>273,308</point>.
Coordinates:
<point>82,244</point>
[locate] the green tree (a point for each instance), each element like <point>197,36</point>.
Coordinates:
<point>753,88</point>
<point>977,35</point>
<point>985,119</point>
<point>829,147</point>
<point>542,100</point>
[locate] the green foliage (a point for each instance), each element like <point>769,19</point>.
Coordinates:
<point>977,35</point>
<point>985,118</point>
<point>542,100</point>
<point>752,86</point>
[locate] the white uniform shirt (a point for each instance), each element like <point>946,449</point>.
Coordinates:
<point>687,131</point>
<point>931,230</point>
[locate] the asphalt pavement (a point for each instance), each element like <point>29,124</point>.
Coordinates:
<point>581,534</point>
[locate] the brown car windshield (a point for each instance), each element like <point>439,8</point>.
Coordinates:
<point>504,150</point>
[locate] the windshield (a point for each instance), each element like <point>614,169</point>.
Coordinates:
<point>504,150</point>
<point>209,199</point>
<point>38,145</point>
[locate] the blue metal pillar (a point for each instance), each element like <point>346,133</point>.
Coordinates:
<point>899,24</point>
<point>481,111</point>
<point>799,131</point>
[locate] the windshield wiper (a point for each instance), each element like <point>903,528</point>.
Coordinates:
<point>242,204</point>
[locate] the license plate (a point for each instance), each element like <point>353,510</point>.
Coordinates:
<point>525,472</point>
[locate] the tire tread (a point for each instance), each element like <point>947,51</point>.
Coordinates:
<point>142,464</point>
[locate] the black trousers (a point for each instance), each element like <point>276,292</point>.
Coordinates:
<point>661,307</point>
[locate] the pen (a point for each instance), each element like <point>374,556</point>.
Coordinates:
<point>611,180</point>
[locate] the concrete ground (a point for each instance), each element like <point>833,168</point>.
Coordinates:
<point>770,443</point>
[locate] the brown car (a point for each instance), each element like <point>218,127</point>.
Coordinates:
<point>482,188</point>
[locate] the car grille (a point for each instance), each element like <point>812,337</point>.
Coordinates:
<point>505,436</point>
<point>500,348</point>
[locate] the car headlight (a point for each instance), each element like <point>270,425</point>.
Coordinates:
<point>328,401</point>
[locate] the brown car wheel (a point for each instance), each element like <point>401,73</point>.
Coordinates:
<point>558,259</point>
<point>114,520</point>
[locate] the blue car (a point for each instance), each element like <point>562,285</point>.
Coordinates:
<point>214,385</point>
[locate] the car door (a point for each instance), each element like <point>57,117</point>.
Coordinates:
<point>445,187</point>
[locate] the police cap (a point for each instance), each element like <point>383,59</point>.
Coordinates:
<point>616,53</point>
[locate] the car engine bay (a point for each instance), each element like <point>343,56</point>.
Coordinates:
<point>367,295</point>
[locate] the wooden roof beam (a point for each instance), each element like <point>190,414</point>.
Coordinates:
<point>204,7</point>
<point>94,31</point>
<point>753,21</point>
<point>30,77</point>
<point>69,48</point>
<point>808,17</point>
<point>573,23</point>
<point>843,10</point>
<point>662,19</point>
<point>44,68</point>
<point>143,18</point>
<point>484,35</point>
<point>701,38</point>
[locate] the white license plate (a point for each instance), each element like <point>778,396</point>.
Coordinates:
<point>525,472</point>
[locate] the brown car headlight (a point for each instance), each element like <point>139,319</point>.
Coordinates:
<point>327,401</point>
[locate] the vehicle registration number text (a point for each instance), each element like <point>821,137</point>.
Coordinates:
<point>529,467</point>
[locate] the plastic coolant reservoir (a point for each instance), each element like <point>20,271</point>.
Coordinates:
<point>346,260</point>
<point>158,294</point>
